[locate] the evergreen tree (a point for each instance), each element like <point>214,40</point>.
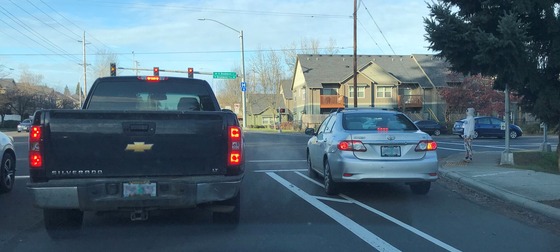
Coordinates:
<point>517,42</point>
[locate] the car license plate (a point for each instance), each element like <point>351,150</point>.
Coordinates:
<point>143,188</point>
<point>390,151</point>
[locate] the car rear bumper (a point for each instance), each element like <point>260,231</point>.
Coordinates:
<point>107,194</point>
<point>355,170</point>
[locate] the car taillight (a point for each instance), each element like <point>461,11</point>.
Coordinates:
<point>235,146</point>
<point>351,145</point>
<point>426,145</point>
<point>35,147</point>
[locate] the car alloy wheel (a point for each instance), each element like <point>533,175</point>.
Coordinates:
<point>312,173</point>
<point>513,134</point>
<point>331,187</point>
<point>437,132</point>
<point>7,173</point>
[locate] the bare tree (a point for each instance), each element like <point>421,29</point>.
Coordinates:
<point>268,72</point>
<point>229,92</point>
<point>307,46</point>
<point>103,59</point>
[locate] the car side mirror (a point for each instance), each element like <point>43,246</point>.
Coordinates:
<point>310,131</point>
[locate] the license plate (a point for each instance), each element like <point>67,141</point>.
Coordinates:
<point>135,189</point>
<point>390,151</point>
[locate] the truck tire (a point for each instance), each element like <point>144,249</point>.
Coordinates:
<point>63,223</point>
<point>229,218</point>
<point>7,173</point>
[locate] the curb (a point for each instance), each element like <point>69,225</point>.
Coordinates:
<point>507,196</point>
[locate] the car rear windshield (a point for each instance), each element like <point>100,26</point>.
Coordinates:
<point>377,121</point>
<point>167,95</point>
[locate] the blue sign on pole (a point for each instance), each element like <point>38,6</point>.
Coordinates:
<point>243,86</point>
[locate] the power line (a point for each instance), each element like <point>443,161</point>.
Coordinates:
<point>24,26</point>
<point>378,28</point>
<point>176,52</point>
<point>152,6</point>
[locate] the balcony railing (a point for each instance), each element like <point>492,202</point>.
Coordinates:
<point>332,101</point>
<point>410,101</point>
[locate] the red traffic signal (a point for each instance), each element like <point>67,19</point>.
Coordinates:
<point>156,71</point>
<point>190,71</point>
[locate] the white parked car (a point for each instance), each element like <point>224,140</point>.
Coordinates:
<point>370,145</point>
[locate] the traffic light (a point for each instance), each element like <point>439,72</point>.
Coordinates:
<point>156,71</point>
<point>113,69</point>
<point>282,110</point>
<point>190,71</point>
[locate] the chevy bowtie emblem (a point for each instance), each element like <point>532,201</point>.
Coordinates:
<point>138,147</point>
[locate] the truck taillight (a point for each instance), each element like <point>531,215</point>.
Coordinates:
<point>235,146</point>
<point>35,147</point>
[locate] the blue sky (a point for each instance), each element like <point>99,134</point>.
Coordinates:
<point>41,36</point>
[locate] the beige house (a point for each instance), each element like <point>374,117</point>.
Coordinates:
<point>410,83</point>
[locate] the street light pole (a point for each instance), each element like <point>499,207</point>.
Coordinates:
<point>243,94</point>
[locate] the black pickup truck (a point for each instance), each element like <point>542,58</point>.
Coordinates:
<point>138,144</point>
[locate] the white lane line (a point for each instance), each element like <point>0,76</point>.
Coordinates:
<point>286,170</point>
<point>364,234</point>
<point>402,224</point>
<point>333,199</point>
<point>275,161</point>
<point>22,177</point>
<point>389,218</point>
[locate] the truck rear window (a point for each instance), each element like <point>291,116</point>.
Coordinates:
<point>169,95</point>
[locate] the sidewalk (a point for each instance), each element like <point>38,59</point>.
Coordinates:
<point>524,188</point>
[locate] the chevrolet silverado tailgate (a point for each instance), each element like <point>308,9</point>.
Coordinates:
<point>115,144</point>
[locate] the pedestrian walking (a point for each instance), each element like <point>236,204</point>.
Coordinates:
<point>468,134</point>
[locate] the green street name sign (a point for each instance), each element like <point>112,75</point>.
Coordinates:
<point>224,75</point>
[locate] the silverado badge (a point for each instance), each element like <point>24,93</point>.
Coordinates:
<point>138,147</point>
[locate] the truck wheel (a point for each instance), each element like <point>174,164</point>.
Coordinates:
<point>229,218</point>
<point>421,188</point>
<point>7,173</point>
<point>63,223</point>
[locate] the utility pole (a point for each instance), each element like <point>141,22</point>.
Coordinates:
<point>355,69</point>
<point>84,63</point>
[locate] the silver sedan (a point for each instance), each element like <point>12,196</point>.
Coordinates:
<point>369,145</point>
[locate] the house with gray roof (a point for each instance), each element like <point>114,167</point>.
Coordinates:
<point>410,83</point>
<point>262,110</point>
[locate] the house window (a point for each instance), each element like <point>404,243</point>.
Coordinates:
<point>384,92</point>
<point>329,91</point>
<point>361,92</point>
<point>267,121</point>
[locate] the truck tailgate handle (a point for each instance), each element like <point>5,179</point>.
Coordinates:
<point>139,127</point>
<point>143,128</point>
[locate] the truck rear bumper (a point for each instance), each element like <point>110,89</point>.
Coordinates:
<point>107,194</point>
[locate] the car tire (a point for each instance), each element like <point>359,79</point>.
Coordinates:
<point>475,135</point>
<point>63,223</point>
<point>7,172</point>
<point>420,188</point>
<point>437,132</point>
<point>513,134</point>
<point>312,173</point>
<point>331,187</point>
<point>229,218</point>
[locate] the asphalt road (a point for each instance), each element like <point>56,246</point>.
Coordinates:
<point>284,210</point>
